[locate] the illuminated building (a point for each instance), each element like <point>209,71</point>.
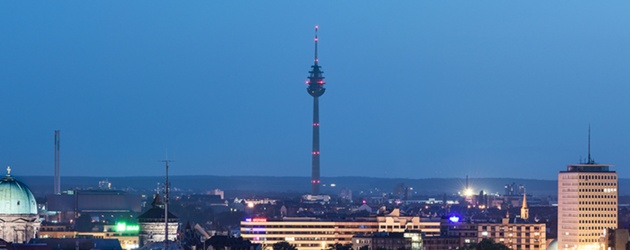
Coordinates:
<point>513,235</point>
<point>309,198</point>
<point>316,89</point>
<point>587,204</point>
<point>218,192</point>
<point>441,243</point>
<point>408,240</point>
<point>524,208</point>
<point>312,233</point>
<point>345,194</point>
<point>152,224</point>
<point>126,234</point>
<point>19,222</point>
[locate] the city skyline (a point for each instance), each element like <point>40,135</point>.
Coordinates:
<point>421,89</point>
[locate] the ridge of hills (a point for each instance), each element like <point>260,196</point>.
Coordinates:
<point>257,185</point>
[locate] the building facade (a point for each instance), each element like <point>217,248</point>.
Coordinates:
<point>152,224</point>
<point>127,242</point>
<point>410,240</point>
<point>587,205</point>
<point>312,233</point>
<point>520,235</point>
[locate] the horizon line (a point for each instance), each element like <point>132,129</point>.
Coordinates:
<point>276,176</point>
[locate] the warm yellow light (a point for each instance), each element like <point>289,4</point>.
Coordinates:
<point>250,205</point>
<point>468,192</point>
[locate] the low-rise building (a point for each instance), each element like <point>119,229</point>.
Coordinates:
<point>519,235</point>
<point>411,240</point>
<point>313,233</point>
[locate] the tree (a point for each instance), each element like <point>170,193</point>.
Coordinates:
<point>487,244</point>
<point>338,246</point>
<point>283,245</point>
<point>84,223</point>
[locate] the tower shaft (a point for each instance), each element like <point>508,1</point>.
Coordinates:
<point>315,178</point>
<point>57,182</point>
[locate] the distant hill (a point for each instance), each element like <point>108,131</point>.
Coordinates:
<point>264,184</point>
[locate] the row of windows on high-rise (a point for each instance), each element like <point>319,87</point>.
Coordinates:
<point>598,190</point>
<point>598,203</point>
<point>598,221</point>
<point>598,196</point>
<point>598,215</point>
<point>598,177</point>
<point>593,228</point>
<point>589,240</point>
<point>591,234</point>
<point>597,184</point>
<point>598,209</point>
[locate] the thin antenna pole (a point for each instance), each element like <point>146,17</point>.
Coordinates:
<point>590,161</point>
<point>166,190</point>
<point>316,40</point>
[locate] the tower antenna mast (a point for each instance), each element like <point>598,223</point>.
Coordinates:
<point>590,160</point>
<point>166,190</point>
<point>316,40</point>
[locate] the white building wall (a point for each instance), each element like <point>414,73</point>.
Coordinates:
<point>587,204</point>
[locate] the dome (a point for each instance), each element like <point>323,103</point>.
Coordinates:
<point>15,197</point>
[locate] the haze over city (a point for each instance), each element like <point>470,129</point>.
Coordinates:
<point>415,89</point>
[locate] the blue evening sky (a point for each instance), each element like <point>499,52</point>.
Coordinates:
<point>415,89</point>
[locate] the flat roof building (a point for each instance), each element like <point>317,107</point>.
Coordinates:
<point>313,233</point>
<point>519,235</point>
<point>587,205</point>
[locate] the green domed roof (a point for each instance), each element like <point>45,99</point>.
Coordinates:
<point>15,197</point>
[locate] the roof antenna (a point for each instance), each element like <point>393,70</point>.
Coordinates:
<point>590,161</point>
<point>316,39</point>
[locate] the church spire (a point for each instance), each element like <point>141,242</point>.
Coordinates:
<point>524,208</point>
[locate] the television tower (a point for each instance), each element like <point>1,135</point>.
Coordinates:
<point>315,88</point>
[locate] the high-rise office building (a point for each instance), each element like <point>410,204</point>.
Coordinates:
<point>587,204</point>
